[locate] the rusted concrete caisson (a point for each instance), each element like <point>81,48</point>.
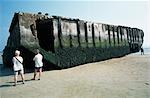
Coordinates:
<point>66,42</point>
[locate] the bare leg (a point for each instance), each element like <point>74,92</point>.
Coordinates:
<point>35,72</point>
<point>40,73</point>
<point>15,78</point>
<point>22,76</point>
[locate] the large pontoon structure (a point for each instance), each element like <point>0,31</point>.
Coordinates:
<point>66,42</point>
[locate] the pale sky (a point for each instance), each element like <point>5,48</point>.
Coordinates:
<point>127,13</point>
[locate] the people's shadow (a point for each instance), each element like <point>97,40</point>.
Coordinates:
<point>11,83</point>
<point>6,85</point>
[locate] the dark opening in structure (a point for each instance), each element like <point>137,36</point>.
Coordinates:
<point>45,34</point>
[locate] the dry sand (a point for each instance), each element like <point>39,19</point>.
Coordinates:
<point>126,77</point>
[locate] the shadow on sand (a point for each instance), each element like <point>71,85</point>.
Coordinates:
<point>11,84</point>
<point>6,85</point>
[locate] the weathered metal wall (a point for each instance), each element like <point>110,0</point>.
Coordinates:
<point>91,43</point>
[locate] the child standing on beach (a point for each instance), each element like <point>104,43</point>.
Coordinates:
<point>18,67</point>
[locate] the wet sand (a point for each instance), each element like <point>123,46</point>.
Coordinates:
<point>126,77</point>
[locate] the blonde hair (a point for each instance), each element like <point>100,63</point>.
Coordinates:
<point>17,52</point>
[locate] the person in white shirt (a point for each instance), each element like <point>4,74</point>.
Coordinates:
<point>18,67</point>
<point>38,64</point>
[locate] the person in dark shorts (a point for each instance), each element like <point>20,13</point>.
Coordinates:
<point>38,64</point>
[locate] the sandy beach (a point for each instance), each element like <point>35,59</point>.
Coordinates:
<point>125,77</point>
